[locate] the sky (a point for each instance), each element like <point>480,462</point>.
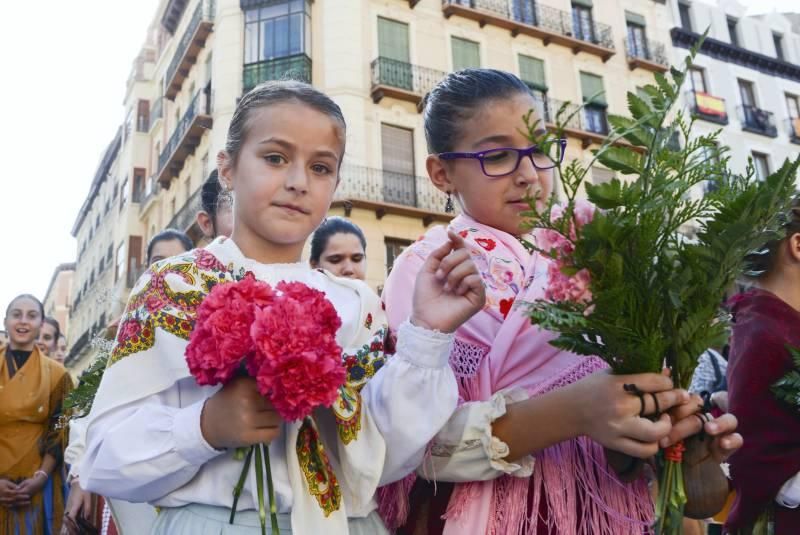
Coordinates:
<point>64,70</point>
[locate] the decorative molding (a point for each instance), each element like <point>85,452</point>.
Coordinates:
<point>737,55</point>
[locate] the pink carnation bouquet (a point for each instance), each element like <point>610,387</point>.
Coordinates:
<point>285,338</point>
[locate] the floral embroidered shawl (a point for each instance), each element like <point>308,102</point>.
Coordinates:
<point>571,481</point>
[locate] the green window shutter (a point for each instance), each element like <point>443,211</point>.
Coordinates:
<point>591,85</point>
<point>466,54</point>
<point>393,40</point>
<point>584,3</point>
<point>635,18</point>
<point>531,70</point>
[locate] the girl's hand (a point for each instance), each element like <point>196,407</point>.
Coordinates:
<point>611,416</point>
<point>8,493</point>
<point>238,416</point>
<point>448,290</point>
<point>79,502</point>
<point>723,429</point>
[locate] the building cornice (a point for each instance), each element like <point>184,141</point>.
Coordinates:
<point>99,177</point>
<point>737,55</point>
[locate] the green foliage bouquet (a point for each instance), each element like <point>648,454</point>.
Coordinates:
<point>653,294</point>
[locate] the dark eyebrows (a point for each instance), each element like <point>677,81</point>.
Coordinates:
<point>499,138</point>
<point>290,146</point>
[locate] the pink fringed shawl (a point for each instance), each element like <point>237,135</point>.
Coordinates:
<point>497,349</point>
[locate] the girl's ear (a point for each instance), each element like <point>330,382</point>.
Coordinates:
<point>438,173</point>
<point>794,247</point>
<point>225,168</point>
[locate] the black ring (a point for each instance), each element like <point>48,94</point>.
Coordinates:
<point>658,409</point>
<point>631,388</point>
<point>641,400</point>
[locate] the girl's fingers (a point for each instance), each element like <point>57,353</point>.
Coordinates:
<point>448,264</point>
<point>648,382</point>
<point>724,447</point>
<point>634,448</point>
<point>431,264</point>
<point>457,274</point>
<point>727,423</point>
<point>471,283</point>
<point>682,429</point>
<point>663,402</point>
<point>644,430</point>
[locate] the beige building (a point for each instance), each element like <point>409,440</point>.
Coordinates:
<point>376,59</point>
<point>58,299</point>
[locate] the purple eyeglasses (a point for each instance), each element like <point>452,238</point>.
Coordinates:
<point>503,161</point>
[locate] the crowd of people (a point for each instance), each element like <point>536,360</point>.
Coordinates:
<point>457,415</point>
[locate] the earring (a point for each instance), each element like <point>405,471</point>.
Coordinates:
<point>448,205</point>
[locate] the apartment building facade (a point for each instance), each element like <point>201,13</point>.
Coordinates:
<point>746,79</point>
<point>377,59</point>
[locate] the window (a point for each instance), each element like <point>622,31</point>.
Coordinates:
<point>637,39</point>
<point>123,193</point>
<point>793,106</point>
<point>209,70</point>
<point>777,39</point>
<point>582,22</point>
<point>761,164</point>
<point>172,205</point>
<point>733,31</point>
<point>139,181</point>
<point>393,49</point>
<point>120,267</point>
<point>698,77</point>
<point>399,180</point>
<point>466,54</point>
<point>128,124</point>
<point>747,93</point>
<point>394,247</point>
<point>595,103</point>
<point>279,30</point>
<point>684,10</point>
<point>531,71</point>
<point>143,116</point>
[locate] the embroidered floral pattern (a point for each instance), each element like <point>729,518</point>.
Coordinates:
<point>321,480</point>
<point>368,321</point>
<point>347,412</point>
<point>366,361</point>
<point>157,304</point>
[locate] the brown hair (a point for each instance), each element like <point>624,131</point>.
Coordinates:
<point>761,261</point>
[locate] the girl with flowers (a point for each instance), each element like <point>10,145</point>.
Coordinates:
<point>155,434</point>
<point>539,432</point>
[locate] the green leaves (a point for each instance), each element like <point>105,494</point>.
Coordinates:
<point>624,160</point>
<point>656,293</point>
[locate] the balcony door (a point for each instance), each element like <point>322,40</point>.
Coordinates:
<point>637,41</point>
<point>399,178</point>
<point>747,93</point>
<point>395,58</point>
<point>524,11</point>
<point>582,21</point>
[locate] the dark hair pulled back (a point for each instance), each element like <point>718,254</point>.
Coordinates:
<point>330,227</point>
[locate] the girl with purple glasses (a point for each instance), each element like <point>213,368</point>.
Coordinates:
<point>544,441</point>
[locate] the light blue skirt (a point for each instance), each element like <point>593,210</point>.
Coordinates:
<point>199,519</point>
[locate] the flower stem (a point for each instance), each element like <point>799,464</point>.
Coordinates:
<point>237,490</point>
<point>273,508</point>
<point>262,513</point>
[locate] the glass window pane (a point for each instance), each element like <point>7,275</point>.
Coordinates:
<point>466,54</point>
<point>281,28</point>
<point>592,88</point>
<point>275,10</point>
<point>251,43</point>
<point>267,39</point>
<point>531,71</point>
<point>295,33</point>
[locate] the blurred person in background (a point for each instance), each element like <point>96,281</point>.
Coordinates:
<point>339,246</point>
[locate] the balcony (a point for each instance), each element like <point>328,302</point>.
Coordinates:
<point>708,107</point>
<point>150,192</point>
<point>387,192</point>
<point>403,81</point>
<point>172,14</point>
<point>527,17</point>
<point>758,121</point>
<point>793,129</point>
<point>185,138</point>
<point>590,124</point>
<point>650,56</point>
<point>187,215</point>
<point>297,67</point>
<point>190,45</point>
<point>156,112</point>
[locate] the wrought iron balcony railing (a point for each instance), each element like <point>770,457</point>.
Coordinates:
<point>758,121</point>
<point>402,80</point>
<point>650,55</point>
<point>186,136</point>
<point>547,23</point>
<point>192,41</point>
<point>297,67</point>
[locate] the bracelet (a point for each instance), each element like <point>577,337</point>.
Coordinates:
<point>42,472</point>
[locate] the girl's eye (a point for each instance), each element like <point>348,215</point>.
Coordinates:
<point>334,259</point>
<point>496,156</point>
<point>275,159</point>
<point>321,169</point>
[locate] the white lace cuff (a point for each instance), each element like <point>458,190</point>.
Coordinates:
<point>497,450</point>
<point>466,450</point>
<point>422,347</point>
